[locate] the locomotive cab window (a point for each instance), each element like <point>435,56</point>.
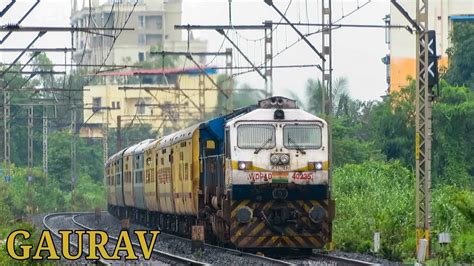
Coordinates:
<point>253,136</point>
<point>302,136</point>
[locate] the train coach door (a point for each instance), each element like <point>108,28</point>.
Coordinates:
<point>212,170</point>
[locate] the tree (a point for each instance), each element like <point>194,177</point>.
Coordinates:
<point>242,95</point>
<point>314,92</point>
<point>453,123</point>
<point>461,55</point>
<point>392,126</point>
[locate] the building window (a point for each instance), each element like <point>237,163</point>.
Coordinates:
<point>141,21</point>
<point>153,39</point>
<point>154,22</point>
<point>118,105</point>
<point>141,57</point>
<point>113,105</point>
<point>141,39</point>
<point>159,22</point>
<point>96,104</point>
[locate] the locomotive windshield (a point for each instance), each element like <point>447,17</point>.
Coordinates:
<point>256,136</point>
<point>302,136</point>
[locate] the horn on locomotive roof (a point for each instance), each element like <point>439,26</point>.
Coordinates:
<point>277,102</point>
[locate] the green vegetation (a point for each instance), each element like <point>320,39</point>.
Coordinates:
<point>377,196</point>
<point>461,55</point>
<point>374,179</point>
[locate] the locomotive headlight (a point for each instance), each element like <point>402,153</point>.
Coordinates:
<point>318,166</point>
<point>284,159</point>
<point>275,158</point>
<point>244,165</point>
<point>244,215</point>
<point>317,214</point>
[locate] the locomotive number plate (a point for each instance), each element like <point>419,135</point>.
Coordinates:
<point>302,176</point>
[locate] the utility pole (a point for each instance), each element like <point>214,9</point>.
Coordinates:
<point>73,153</point>
<point>202,96</point>
<point>119,133</point>
<point>230,82</point>
<point>45,141</point>
<point>30,144</point>
<point>105,136</point>
<point>423,128</point>
<point>268,58</point>
<point>427,75</point>
<point>6,133</point>
<point>327,53</point>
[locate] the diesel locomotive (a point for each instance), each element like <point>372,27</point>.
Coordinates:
<point>257,178</point>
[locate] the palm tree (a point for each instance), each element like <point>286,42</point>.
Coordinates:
<point>314,97</point>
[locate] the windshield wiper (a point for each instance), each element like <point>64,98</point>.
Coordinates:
<point>263,145</point>
<point>298,148</point>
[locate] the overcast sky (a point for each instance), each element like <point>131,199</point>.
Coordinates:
<point>357,53</point>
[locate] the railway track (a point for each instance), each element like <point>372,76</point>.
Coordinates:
<point>67,218</point>
<point>157,256</point>
<point>161,254</point>
<point>313,259</point>
<point>256,259</point>
<point>239,253</point>
<point>339,260</point>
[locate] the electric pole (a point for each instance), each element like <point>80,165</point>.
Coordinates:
<point>423,128</point>
<point>30,144</point>
<point>73,154</point>
<point>6,133</point>
<point>268,58</point>
<point>230,82</point>
<point>105,136</point>
<point>427,77</point>
<point>45,141</point>
<point>326,65</point>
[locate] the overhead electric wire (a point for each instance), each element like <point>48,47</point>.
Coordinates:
<point>300,39</point>
<point>109,51</point>
<point>274,29</point>
<point>321,30</point>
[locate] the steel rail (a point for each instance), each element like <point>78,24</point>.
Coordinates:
<point>166,255</point>
<point>344,260</point>
<point>237,252</point>
<point>264,259</point>
<point>49,216</point>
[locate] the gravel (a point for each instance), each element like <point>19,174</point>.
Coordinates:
<point>182,247</point>
<point>62,222</point>
<point>365,257</point>
<point>171,244</point>
<point>65,222</point>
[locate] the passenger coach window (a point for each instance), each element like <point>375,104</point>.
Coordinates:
<point>256,136</point>
<point>302,136</point>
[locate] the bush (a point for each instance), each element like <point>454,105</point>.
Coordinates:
<point>375,197</point>
<point>380,197</point>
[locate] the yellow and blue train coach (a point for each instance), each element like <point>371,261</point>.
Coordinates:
<point>256,178</point>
